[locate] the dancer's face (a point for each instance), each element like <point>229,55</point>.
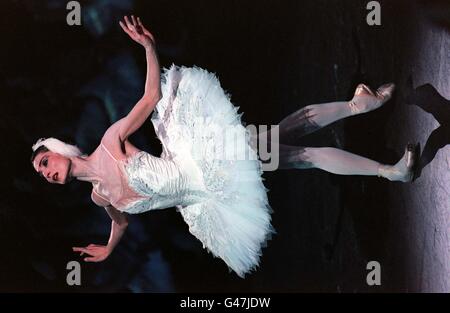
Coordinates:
<point>53,167</point>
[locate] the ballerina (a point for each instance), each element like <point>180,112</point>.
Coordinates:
<point>223,200</point>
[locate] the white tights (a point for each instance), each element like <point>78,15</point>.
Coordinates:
<point>311,118</point>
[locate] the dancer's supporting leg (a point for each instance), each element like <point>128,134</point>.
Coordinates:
<point>345,163</point>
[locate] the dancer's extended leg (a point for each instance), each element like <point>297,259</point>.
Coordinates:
<point>313,117</point>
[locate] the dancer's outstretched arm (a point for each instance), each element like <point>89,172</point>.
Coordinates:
<point>99,253</point>
<point>144,107</point>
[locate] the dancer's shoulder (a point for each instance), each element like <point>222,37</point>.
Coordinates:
<point>98,200</point>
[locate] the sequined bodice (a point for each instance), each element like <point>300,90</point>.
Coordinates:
<point>142,182</point>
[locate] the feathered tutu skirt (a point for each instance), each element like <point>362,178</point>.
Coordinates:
<point>201,129</point>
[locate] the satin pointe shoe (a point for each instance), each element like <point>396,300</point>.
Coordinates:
<point>365,100</point>
<point>405,169</point>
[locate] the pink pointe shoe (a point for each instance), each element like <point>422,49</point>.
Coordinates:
<point>365,100</point>
<point>404,169</point>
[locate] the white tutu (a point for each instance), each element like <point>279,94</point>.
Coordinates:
<point>233,220</point>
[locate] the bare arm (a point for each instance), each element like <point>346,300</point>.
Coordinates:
<point>152,94</point>
<point>119,224</point>
<point>99,253</point>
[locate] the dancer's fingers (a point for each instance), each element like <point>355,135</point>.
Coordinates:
<point>83,250</point>
<point>133,19</point>
<point>137,27</point>
<point>129,25</point>
<point>125,28</point>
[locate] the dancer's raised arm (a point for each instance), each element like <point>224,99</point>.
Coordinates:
<point>144,107</point>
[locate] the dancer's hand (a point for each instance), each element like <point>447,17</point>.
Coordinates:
<point>97,253</point>
<point>137,31</point>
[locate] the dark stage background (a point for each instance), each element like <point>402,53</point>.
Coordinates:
<point>273,57</point>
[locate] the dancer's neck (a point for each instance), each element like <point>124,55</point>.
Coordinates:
<point>82,169</point>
